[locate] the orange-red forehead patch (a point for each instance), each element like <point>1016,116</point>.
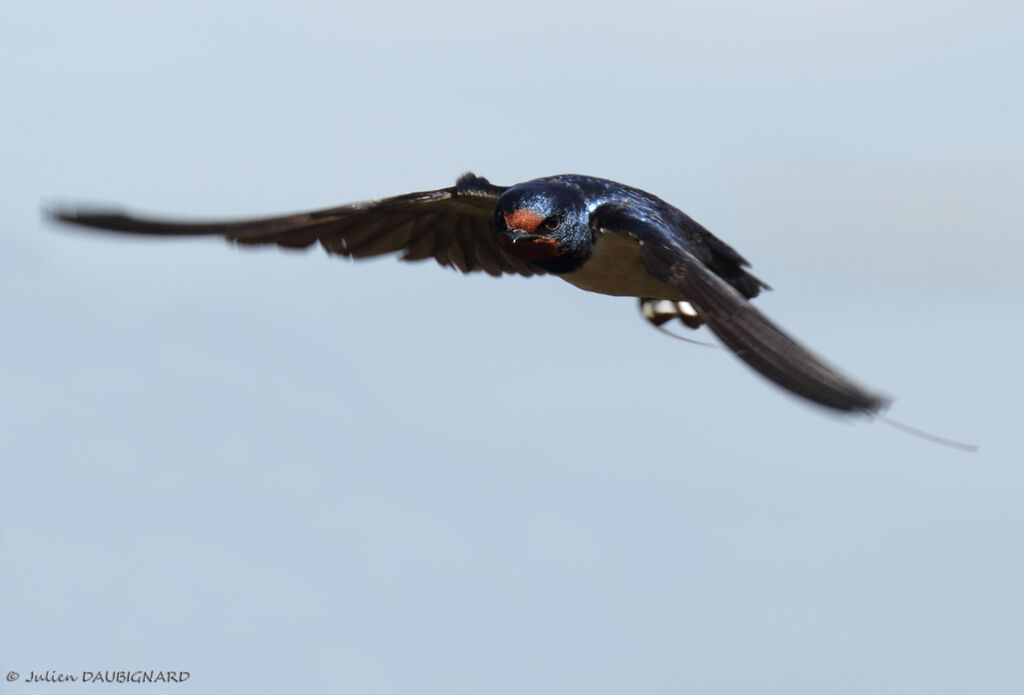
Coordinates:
<point>524,219</point>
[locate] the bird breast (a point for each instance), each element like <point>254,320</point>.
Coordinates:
<point>616,267</point>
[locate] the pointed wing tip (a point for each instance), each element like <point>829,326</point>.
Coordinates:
<point>114,219</point>
<point>58,212</point>
<point>875,405</point>
<point>96,217</point>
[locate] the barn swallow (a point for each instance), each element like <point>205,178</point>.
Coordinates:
<point>599,235</point>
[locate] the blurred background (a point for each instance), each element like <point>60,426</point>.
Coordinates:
<point>283,471</point>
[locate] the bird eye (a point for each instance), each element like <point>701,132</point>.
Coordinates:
<point>552,223</point>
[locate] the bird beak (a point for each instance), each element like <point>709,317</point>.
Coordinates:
<point>529,247</point>
<point>515,236</point>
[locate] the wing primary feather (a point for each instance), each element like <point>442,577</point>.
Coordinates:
<point>719,299</point>
<point>452,225</point>
<point>766,348</point>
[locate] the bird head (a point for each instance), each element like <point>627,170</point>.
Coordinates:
<point>545,223</point>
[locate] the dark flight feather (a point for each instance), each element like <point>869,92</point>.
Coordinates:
<point>720,302</point>
<point>451,225</point>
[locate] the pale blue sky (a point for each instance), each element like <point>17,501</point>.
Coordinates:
<point>283,471</point>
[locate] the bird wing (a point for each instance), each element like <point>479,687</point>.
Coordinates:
<point>737,323</point>
<point>451,225</point>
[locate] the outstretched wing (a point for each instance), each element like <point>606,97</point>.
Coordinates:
<point>451,225</point>
<point>744,329</point>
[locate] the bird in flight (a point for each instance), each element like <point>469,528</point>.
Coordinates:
<point>599,235</point>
